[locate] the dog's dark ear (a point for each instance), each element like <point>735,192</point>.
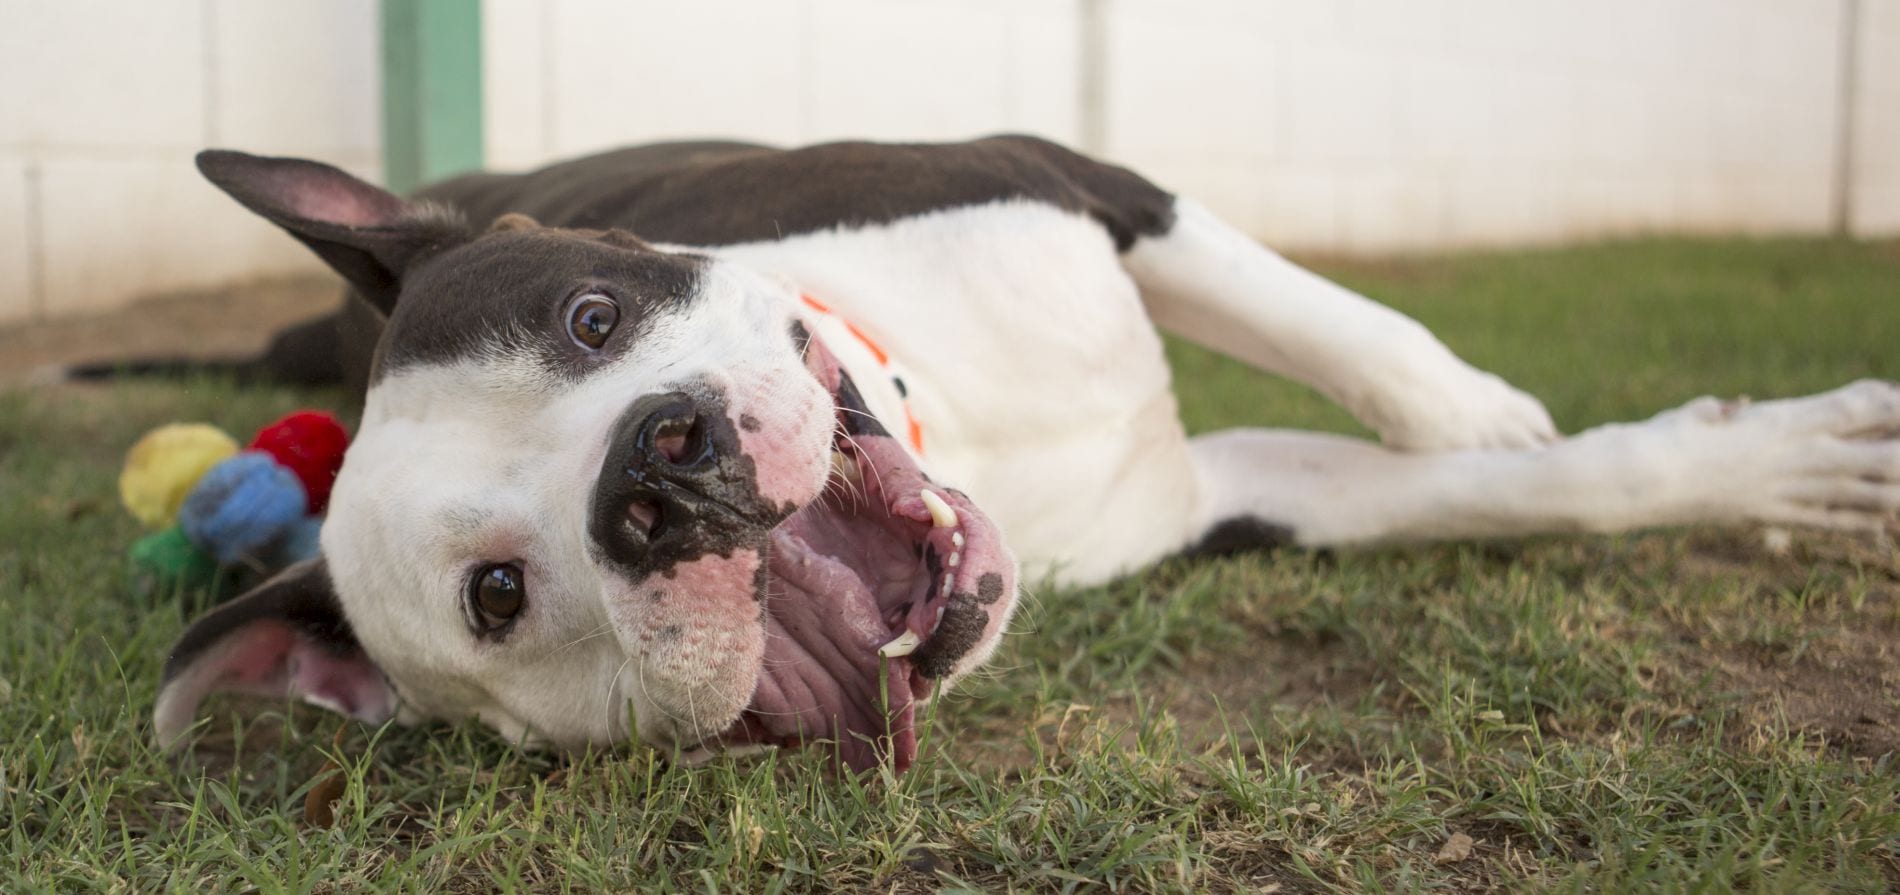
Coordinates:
<point>366,233</point>
<point>287,637</point>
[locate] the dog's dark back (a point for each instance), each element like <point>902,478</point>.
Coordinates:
<point>560,194</point>
<point>713,193</point>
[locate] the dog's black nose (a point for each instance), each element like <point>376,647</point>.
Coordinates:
<point>675,485</point>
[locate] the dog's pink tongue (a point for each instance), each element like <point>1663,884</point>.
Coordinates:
<point>823,678</point>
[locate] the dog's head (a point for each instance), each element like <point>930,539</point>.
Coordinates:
<point>600,486</point>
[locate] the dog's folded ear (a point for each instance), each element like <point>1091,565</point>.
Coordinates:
<point>364,232</point>
<point>288,637</point>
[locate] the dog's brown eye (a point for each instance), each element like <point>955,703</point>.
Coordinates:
<point>591,319</point>
<point>497,594</point>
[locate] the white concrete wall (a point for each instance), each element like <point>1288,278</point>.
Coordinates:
<point>104,102</point>
<point>1374,126</point>
<point>570,76</point>
<point>1876,155</point>
<point>1346,126</point>
<point>1335,125</point>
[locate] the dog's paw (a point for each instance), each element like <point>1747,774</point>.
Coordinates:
<point>1450,405</point>
<point>1829,461</point>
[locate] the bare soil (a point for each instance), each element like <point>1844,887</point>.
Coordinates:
<point>1835,676</point>
<point>1845,690</point>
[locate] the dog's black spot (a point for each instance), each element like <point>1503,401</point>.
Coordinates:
<point>749,423</point>
<point>963,622</point>
<point>1241,534</point>
<point>989,588</point>
<point>962,628</point>
<point>801,338</point>
<point>856,417</point>
<point>668,633</point>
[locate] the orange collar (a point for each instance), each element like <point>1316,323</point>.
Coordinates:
<point>915,431</point>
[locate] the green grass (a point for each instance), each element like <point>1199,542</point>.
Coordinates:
<point>1663,712</point>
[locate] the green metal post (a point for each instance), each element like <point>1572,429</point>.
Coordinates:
<point>432,90</point>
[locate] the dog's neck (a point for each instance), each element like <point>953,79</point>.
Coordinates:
<point>862,354</point>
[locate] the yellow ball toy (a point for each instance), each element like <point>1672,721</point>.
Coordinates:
<point>164,465</point>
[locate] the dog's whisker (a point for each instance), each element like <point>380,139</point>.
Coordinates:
<point>872,464</point>
<point>844,494</point>
<point>843,435</point>
<point>766,714</point>
<point>642,678</point>
<point>613,690</point>
<point>605,628</point>
<point>692,713</point>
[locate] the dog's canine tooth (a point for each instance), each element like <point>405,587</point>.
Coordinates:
<point>940,512</point>
<point>902,645</point>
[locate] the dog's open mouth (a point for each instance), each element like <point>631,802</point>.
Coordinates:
<point>876,590</point>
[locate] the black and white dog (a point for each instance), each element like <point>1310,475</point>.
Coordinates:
<point>731,447</point>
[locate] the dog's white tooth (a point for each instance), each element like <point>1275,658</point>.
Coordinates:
<point>957,539</point>
<point>948,580</point>
<point>939,622</point>
<point>954,559</point>
<point>940,512</point>
<point>903,645</point>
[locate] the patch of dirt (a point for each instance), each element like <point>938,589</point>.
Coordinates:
<point>1843,686</point>
<point>1716,553</point>
<point>226,322</point>
<point>1834,673</point>
<point>1209,699</point>
<point>1212,694</point>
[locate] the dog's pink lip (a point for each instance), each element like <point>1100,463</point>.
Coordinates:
<point>850,572</point>
<point>826,680</point>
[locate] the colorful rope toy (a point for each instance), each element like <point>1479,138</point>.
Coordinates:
<point>223,515</point>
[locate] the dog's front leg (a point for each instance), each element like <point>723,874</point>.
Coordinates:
<point>1212,284</point>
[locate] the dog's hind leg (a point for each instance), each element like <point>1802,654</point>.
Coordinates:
<point>1830,461</point>
<point>1212,284</point>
